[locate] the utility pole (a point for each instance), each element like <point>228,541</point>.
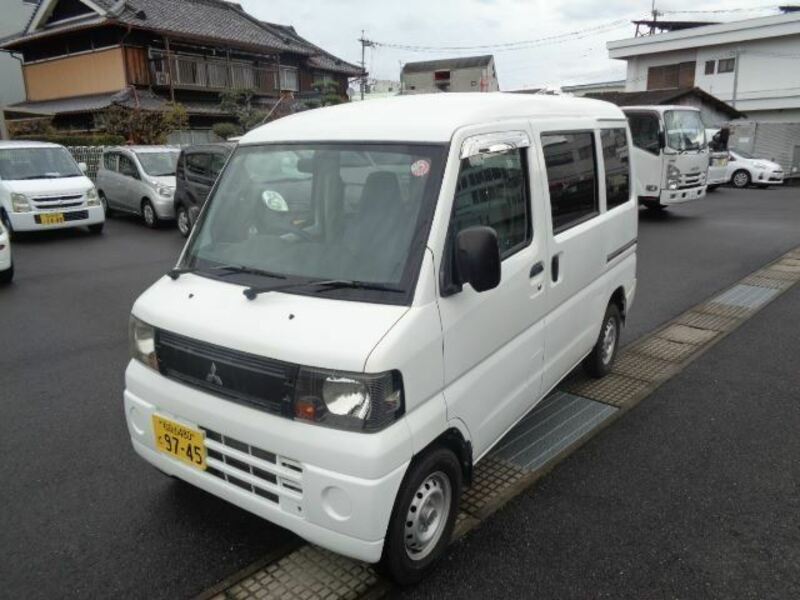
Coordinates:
<point>736,56</point>
<point>655,13</point>
<point>365,43</point>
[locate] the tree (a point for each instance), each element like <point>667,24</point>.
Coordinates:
<point>140,126</point>
<point>240,104</point>
<point>329,94</point>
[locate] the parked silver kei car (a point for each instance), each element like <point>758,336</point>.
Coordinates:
<point>139,180</point>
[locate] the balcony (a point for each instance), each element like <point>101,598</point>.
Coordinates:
<point>199,73</point>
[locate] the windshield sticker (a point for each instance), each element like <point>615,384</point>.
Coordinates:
<point>421,168</point>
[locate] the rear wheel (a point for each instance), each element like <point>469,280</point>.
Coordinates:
<point>599,362</point>
<point>149,214</point>
<point>423,516</point>
<point>741,179</point>
<point>183,222</point>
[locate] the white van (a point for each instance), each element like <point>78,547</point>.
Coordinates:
<point>670,153</point>
<point>374,294</point>
<point>42,187</point>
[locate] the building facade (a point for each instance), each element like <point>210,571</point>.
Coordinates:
<point>81,56</point>
<point>601,87</point>
<point>16,14</point>
<point>466,74</point>
<point>750,64</point>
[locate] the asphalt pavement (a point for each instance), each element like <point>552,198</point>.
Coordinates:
<point>83,516</point>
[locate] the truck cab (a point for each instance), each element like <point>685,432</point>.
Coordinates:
<point>670,152</point>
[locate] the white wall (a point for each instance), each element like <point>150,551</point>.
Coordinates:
<point>461,80</point>
<point>12,89</point>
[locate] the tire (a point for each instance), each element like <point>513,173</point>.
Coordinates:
<point>150,215</point>
<point>410,552</point>
<point>183,221</point>
<point>712,188</point>
<point>740,179</point>
<point>96,229</point>
<point>7,224</point>
<point>107,211</point>
<point>601,359</point>
<point>7,275</point>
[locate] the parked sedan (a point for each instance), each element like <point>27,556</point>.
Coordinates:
<point>198,168</point>
<point>6,262</point>
<point>744,169</point>
<point>139,180</point>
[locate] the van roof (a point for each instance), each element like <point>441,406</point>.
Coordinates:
<point>660,108</point>
<point>13,145</point>
<point>144,149</point>
<point>423,117</point>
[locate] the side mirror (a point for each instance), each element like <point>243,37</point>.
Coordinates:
<point>83,167</point>
<point>478,258</point>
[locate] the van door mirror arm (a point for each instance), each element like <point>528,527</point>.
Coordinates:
<point>477,258</point>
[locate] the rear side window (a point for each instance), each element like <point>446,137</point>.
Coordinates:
<point>110,161</point>
<point>492,190</point>
<point>616,160</point>
<point>217,162</point>
<point>198,165</point>
<point>644,131</point>
<point>571,177</point>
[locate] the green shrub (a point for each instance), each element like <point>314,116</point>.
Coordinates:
<point>226,130</point>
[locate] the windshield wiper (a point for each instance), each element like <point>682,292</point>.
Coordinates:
<point>252,293</point>
<point>230,270</point>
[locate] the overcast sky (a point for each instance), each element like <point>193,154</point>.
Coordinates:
<point>336,25</point>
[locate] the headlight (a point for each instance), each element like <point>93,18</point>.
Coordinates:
<point>19,203</point>
<point>142,342</point>
<point>92,199</point>
<point>673,177</point>
<point>759,165</point>
<point>353,401</point>
<point>165,191</point>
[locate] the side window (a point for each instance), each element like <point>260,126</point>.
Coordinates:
<point>110,161</point>
<point>644,130</point>
<point>127,168</point>
<point>572,177</point>
<point>617,163</point>
<point>492,190</point>
<point>217,162</point>
<point>198,166</point>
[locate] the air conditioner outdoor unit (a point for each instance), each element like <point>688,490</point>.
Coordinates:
<point>162,78</point>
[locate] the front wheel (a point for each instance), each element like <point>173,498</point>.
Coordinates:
<point>149,214</point>
<point>423,517</point>
<point>741,179</point>
<point>7,275</point>
<point>183,222</point>
<point>599,362</point>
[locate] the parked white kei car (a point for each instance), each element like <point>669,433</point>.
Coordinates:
<point>6,260</point>
<point>139,180</point>
<point>42,187</point>
<point>744,169</point>
<point>374,294</point>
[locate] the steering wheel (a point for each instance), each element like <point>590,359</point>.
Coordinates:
<point>289,228</point>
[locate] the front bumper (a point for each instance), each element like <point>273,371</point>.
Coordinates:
<point>768,177</point>
<point>717,176</point>
<point>73,217</point>
<point>669,197</point>
<point>5,255</point>
<point>339,508</point>
<point>165,206</point>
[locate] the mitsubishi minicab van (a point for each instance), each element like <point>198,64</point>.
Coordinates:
<point>42,187</point>
<point>373,295</point>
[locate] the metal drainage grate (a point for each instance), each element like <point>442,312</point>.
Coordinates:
<point>746,296</point>
<point>614,389</point>
<point>664,349</point>
<point>768,282</point>
<point>685,334</point>
<point>774,273</point>
<point>706,321</point>
<point>645,368</point>
<point>558,422</point>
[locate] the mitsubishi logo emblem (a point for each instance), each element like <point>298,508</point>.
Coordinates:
<point>212,376</point>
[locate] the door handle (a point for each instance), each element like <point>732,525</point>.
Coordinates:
<point>554,270</point>
<point>537,269</point>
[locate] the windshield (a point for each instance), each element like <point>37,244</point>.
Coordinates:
<point>37,163</point>
<point>685,130</point>
<point>158,164</point>
<point>351,212</point>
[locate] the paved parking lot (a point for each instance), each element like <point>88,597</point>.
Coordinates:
<point>84,516</point>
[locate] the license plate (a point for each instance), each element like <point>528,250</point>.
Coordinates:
<point>180,441</point>
<point>51,219</point>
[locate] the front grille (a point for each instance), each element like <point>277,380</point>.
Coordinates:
<point>231,374</point>
<point>45,202</point>
<point>257,471</point>
<point>689,181</point>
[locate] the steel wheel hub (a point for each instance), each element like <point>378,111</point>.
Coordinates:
<point>183,221</point>
<point>427,515</point>
<point>609,341</point>
<point>148,214</point>
<point>740,179</point>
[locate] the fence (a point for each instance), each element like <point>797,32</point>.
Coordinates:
<point>89,155</point>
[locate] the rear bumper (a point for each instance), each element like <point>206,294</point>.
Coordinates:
<point>27,221</point>
<point>345,513</point>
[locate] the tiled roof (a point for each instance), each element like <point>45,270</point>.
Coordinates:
<point>320,59</point>
<point>464,62</point>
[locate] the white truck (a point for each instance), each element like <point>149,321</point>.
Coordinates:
<point>670,152</point>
